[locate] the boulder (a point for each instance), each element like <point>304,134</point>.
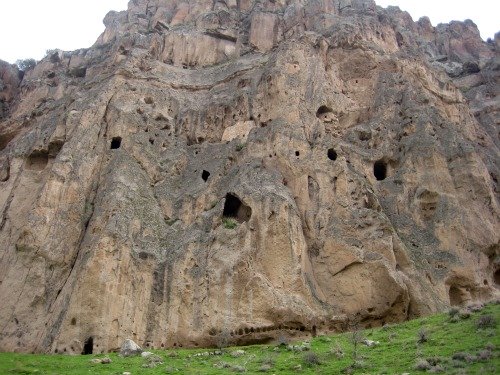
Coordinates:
<point>130,348</point>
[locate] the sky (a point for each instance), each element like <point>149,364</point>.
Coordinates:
<point>30,27</point>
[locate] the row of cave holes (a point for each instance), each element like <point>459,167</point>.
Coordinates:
<point>379,168</point>
<point>249,330</point>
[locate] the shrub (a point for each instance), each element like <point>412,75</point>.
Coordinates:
<point>484,355</point>
<point>282,340</point>
<point>435,369</point>
<point>311,359</point>
<point>229,223</point>
<point>26,64</point>
<point>423,336</point>
<point>462,356</point>
<point>486,321</point>
<point>453,312</point>
<point>222,339</point>
<point>240,146</point>
<point>337,351</point>
<point>422,365</point>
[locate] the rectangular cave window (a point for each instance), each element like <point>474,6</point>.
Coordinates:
<point>116,142</point>
<point>88,346</point>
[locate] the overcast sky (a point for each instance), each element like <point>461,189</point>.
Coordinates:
<point>30,27</point>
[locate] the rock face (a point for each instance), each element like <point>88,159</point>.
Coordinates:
<point>215,171</point>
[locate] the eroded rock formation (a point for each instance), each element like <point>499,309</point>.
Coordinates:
<point>237,170</point>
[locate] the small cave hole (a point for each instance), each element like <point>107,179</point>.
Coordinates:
<point>73,322</point>
<point>88,346</point>
<point>496,277</point>
<point>297,153</point>
<point>205,175</point>
<point>332,154</point>
<point>151,141</point>
<point>324,113</point>
<point>116,143</point>
<point>380,170</point>
<point>4,171</point>
<point>148,100</point>
<point>234,207</point>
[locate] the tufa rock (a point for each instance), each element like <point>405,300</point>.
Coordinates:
<point>355,151</point>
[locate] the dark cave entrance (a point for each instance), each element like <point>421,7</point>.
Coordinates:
<point>234,207</point>
<point>322,111</point>
<point>88,346</point>
<point>496,277</point>
<point>116,142</point>
<point>205,175</point>
<point>332,154</point>
<point>380,170</point>
<point>455,296</point>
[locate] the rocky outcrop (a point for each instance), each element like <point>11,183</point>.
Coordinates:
<point>215,172</point>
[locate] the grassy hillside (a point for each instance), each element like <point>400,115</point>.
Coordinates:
<point>452,343</point>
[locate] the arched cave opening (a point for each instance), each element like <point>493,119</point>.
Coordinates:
<point>234,207</point>
<point>116,143</point>
<point>205,175</point>
<point>332,154</point>
<point>380,170</point>
<point>322,111</point>
<point>38,160</point>
<point>496,277</point>
<point>88,346</point>
<point>455,296</point>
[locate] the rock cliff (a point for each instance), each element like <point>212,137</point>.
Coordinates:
<point>216,171</point>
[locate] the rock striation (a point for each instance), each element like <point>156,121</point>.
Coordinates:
<point>214,172</point>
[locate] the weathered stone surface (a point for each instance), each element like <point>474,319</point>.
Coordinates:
<point>130,348</point>
<point>356,151</point>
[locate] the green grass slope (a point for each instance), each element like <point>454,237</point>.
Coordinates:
<point>454,343</point>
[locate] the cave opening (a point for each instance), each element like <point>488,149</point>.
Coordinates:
<point>38,160</point>
<point>322,111</point>
<point>455,296</point>
<point>332,154</point>
<point>116,143</point>
<point>496,277</point>
<point>380,170</point>
<point>205,175</point>
<point>88,346</point>
<point>235,208</point>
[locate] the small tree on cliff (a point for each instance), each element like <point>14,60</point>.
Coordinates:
<point>26,64</point>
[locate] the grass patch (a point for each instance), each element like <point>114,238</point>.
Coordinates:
<point>466,346</point>
<point>229,223</point>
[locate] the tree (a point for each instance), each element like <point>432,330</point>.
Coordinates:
<point>26,64</point>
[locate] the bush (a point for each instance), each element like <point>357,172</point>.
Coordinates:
<point>423,336</point>
<point>229,223</point>
<point>311,359</point>
<point>422,365</point>
<point>337,351</point>
<point>26,64</point>
<point>486,321</point>
<point>484,355</point>
<point>453,312</point>
<point>282,340</point>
